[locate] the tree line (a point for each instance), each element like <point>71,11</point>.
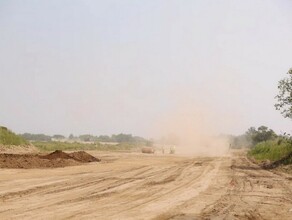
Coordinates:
<point>118,138</point>
<point>254,136</point>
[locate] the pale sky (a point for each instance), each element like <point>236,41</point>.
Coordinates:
<point>104,67</point>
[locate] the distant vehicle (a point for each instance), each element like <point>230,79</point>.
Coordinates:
<point>148,150</point>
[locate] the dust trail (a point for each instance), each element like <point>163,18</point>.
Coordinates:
<point>194,130</point>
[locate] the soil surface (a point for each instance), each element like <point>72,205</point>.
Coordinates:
<point>22,149</point>
<point>56,159</point>
<point>138,186</point>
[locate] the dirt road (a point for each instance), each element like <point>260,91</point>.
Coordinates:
<point>136,186</point>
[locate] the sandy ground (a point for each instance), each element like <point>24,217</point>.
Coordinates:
<point>23,149</point>
<point>137,186</point>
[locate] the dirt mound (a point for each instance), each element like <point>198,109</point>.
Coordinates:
<point>58,154</point>
<point>32,161</point>
<point>83,157</point>
<point>56,159</point>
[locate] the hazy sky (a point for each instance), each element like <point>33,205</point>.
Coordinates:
<point>104,67</point>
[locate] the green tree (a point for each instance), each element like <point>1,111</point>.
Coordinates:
<point>284,98</point>
<point>264,134</point>
<point>104,138</point>
<point>36,137</point>
<point>87,137</point>
<point>58,136</point>
<point>261,134</point>
<point>122,138</point>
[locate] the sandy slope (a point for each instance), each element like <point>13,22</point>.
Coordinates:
<point>136,186</point>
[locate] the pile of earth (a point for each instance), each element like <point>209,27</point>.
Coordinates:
<point>56,159</point>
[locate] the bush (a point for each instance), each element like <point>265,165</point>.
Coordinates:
<point>7,137</point>
<point>271,150</point>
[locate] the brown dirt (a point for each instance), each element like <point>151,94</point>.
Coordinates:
<point>56,159</point>
<point>58,154</point>
<point>138,186</point>
<point>83,157</point>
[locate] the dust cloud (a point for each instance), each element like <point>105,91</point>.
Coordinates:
<point>193,130</point>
